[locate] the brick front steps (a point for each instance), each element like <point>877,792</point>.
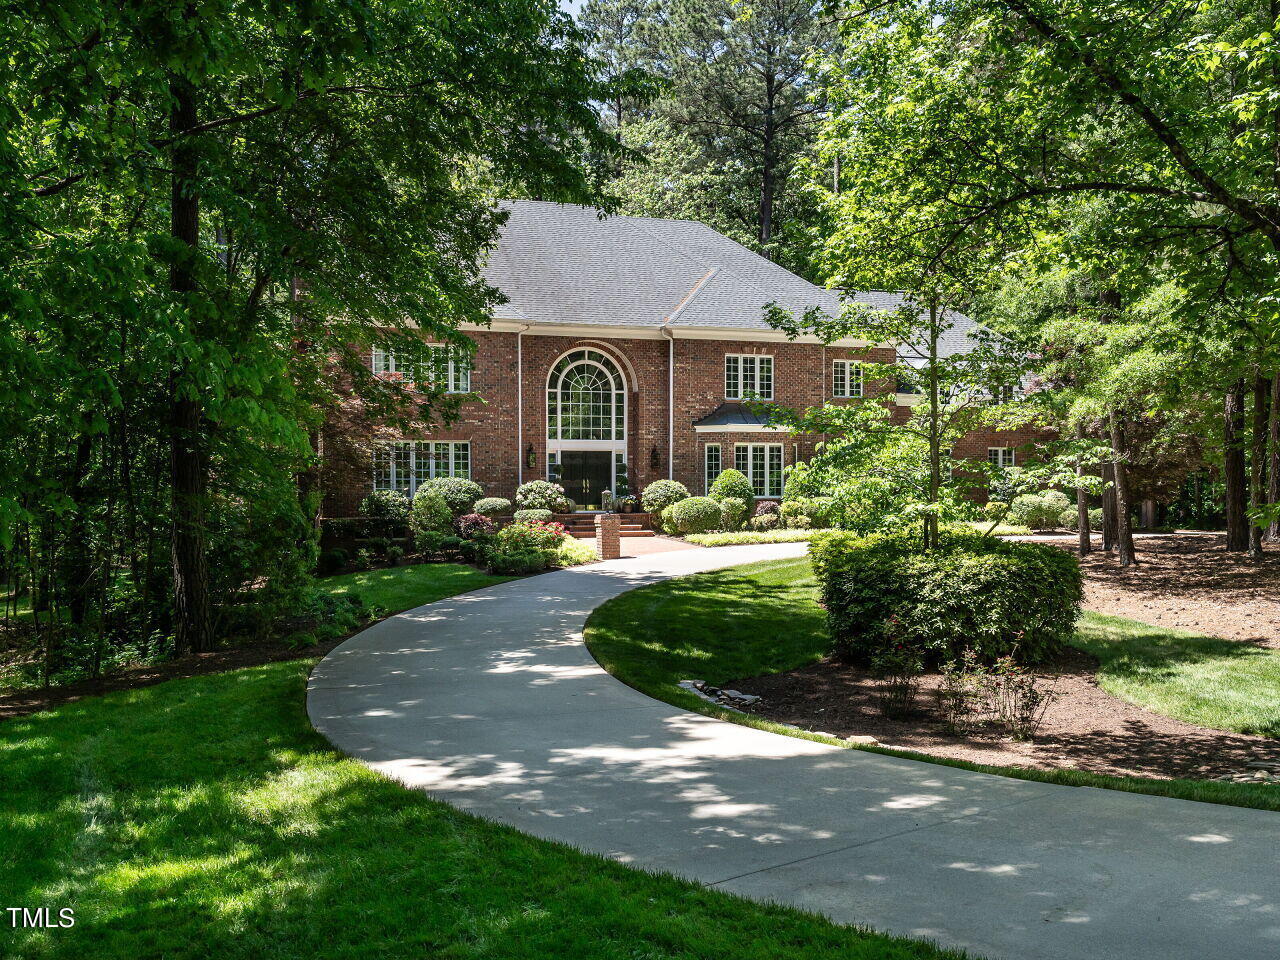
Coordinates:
<point>583,525</point>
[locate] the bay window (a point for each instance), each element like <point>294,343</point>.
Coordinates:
<point>761,463</point>
<point>405,465</point>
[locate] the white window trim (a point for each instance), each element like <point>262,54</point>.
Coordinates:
<point>755,359</point>
<point>768,474</point>
<point>1005,457</point>
<point>706,463</point>
<point>457,378</point>
<point>850,368</point>
<point>388,451</point>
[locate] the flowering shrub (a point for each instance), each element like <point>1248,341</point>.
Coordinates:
<point>492,506</point>
<point>472,525</point>
<point>543,536</point>
<point>542,495</point>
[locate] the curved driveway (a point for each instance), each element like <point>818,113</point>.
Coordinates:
<point>491,702</point>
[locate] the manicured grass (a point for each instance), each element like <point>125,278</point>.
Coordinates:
<point>1216,683</point>
<point>205,818</point>
<point>402,588</point>
<point>735,538</point>
<point>764,618</point>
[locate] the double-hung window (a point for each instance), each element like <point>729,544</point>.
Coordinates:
<point>405,465</point>
<point>846,378</point>
<point>712,463</point>
<point>445,367</point>
<point>762,465</point>
<point>1001,457</point>
<point>748,375</point>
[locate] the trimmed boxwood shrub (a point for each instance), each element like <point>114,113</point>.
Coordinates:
<point>732,483</point>
<point>993,596</point>
<point>532,516</point>
<point>696,515</point>
<point>1039,511</point>
<point>543,495</point>
<point>663,493</point>
<point>458,492</point>
<point>492,506</point>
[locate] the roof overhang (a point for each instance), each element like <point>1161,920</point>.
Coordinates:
<point>635,332</point>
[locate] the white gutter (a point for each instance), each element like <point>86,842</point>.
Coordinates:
<point>671,369</point>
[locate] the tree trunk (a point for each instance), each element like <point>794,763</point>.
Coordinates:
<point>935,439</point>
<point>1258,459</point>
<point>1108,509</point>
<point>1082,505</point>
<point>1233,467</point>
<point>188,469</point>
<point>1124,529</point>
<point>1273,464</point>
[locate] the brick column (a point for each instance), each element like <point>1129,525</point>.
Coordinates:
<point>607,540</point>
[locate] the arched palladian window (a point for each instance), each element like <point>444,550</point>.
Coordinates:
<point>586,398</point>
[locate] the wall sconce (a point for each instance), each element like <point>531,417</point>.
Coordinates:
<point>655,458</point>
<point>530,458</point>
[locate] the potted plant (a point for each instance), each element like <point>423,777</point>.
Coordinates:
<point>625,504</point>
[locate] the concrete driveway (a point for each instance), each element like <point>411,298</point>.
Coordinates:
<point>491,702</point>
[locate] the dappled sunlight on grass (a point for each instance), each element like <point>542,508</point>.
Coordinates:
<point>1223,684</point>
<point>401,588</point>
<point>204,817</point>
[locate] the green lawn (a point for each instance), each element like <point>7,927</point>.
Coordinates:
<point>764,618</point>
<point>205,818</point>
<point>402,588</point>
<point>1204,680</point>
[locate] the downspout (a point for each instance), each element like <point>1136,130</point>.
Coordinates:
<point>671,400</point>
<point>671,369</point>
<point>520,404</point>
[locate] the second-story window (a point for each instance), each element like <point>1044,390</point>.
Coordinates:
<point>846,378</point>
<point>445,367</point>
<point>748,375</point>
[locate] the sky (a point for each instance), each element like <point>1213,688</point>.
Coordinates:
<point>571,6</point>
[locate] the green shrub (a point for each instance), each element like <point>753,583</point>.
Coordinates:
<point>331,561</point>
<point>733,513</point>
<point>385,505</point>
<point>459,493</point>
<point>661,494</point>
<point>695,515</point>
<point>665,522</point>
<point>430,514</point>
<point>532,516</point>
<point>516,562</point>
<point>765,521</point>
<point>492,506</point>
<point>542,537</point>
<point>732,484</point>
<point>384,513</point>
<point>993,596</point>
<point>1037,511</point>
<point>573,552</point>
<point>810,511</point>
<point>735,538</point>
<point>1069,517</point>
<point>429,543</point>
<point>543,495</point>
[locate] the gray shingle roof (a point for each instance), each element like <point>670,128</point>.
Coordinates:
<point>567,264</point>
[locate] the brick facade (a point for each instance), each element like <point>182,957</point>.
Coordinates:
<point>501,439</point>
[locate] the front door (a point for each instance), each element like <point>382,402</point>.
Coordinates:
<point>584,474</point>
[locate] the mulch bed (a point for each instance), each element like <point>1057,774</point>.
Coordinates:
<point>1182,580</point>
<point>1084,728</point>
<point>1189,581</point>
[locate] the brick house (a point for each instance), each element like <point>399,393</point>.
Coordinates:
<point>626,340</point>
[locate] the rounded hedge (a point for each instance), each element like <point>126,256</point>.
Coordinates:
<point>663,493</point>
<point>491,506</point>
<point>732,483</point>
<point>532,516</point>
<point>1039,511</point>
<point>459,493</point>
<point>696,515</point>
<point>391,505</point>
<point>543,495</point>
<point>993,596</point>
